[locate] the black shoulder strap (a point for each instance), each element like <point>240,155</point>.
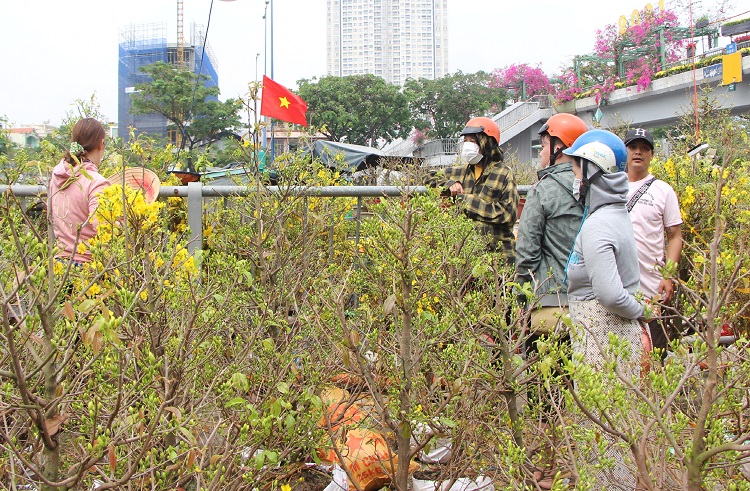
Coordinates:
<point>641,191</point>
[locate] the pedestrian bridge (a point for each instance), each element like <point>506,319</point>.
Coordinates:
<point>663,103</point>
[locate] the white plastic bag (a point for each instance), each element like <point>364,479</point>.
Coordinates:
<point>480,483</point>
<point>340,481</point>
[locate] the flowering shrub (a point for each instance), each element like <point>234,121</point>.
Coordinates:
<point>418,137</point>
<point>637,49</point>
<point>520,77</point>
<point>697,184</point>
<point>567,86</point>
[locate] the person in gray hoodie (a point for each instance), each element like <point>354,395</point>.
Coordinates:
<point>602,271</point>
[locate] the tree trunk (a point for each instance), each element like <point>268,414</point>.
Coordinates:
<point>51,456</point>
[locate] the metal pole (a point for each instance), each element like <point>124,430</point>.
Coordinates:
<point>195,215</point>
<point>273,142</point>
<point>265,70</point>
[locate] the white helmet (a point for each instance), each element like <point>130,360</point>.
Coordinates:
<point>597,153</point>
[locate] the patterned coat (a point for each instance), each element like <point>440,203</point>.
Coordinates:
<point>491,201</point>
<point>548,228</point>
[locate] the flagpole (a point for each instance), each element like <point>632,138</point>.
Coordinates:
<point>265,72</point>
<point>273,133</point>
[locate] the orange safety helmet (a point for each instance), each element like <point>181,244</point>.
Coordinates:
<point>483,125</point>
<point>565,127</point>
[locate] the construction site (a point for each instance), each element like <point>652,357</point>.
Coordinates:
<point>144,44</point>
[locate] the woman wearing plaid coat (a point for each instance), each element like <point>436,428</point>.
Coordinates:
<point>483,184</point>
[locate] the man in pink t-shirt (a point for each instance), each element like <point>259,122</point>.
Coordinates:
<point>654,210</point>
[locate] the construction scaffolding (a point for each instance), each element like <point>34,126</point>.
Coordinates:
<point>144,44</point>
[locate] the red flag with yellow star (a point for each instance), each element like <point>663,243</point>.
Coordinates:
<point>280,103</point>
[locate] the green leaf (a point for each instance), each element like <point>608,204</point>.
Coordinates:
<point>268,344</point>
<point>240,381</point>
<point>236,402</point>
<point>260,459</point>
<point>188,435</point>
<point>276,408</point>
<point>282,387</point>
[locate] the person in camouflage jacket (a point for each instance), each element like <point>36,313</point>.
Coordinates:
<point>551,215</point>
<point>483,184</point>
<point>546,232</point>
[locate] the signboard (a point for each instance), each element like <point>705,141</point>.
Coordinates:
<point>712,71</point>
<point>731,68</point>
<point>598,115</point>
<point>731,48</point>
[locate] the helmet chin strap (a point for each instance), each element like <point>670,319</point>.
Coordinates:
<point>552,153</point>
<point>585,181</point>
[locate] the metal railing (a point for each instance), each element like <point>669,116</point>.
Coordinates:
<point>516,113</point>
<point>195,192</point>
<point>442,146</point>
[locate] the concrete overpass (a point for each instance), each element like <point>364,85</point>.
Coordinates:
<point>661,104</point>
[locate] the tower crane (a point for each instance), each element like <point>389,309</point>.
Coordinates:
<point>180,39</point>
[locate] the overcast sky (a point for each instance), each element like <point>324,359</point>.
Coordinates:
<point>58,51</point>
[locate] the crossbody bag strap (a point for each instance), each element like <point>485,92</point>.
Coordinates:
<point>641,191</point>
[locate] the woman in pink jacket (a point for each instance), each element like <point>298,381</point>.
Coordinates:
<point>73,190</point>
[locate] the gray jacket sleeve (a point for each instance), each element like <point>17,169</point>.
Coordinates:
<point>530,234</point>
<point>601,266</point>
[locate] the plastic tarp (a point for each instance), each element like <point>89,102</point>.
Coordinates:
<point>346,157</point>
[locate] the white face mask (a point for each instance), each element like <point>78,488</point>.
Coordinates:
<point>470,152</point>
<point>576,188</point>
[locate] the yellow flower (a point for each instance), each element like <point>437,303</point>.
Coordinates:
<point>688,196</point>
<point>81,249</point>
<point>670,169</point>
<point>144,295</point>
<point>93,290</point>
<point>286,487</point>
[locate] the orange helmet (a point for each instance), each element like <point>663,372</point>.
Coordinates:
<point>566,127</point>
<point>482,125</point>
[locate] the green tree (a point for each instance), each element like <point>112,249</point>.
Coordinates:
<point>182,98</point>
<point>359,109</point>
<point>445,104</point>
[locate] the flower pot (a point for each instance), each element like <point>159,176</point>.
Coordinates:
<point>734,29</point>
<point>521,203</point>
<point>701,23</point>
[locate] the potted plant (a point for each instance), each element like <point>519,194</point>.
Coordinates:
<point>736,27</point>
<point>702,22</point>
<point>690,50</point>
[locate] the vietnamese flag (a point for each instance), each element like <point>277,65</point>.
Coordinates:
<point>280,103</point>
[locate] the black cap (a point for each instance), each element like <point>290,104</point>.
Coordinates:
<point>639,134</point>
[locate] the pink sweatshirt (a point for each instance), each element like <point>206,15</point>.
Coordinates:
<point>71,205</point>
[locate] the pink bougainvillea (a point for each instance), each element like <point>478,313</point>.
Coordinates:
<point>418,137</point>
<point>514,77</point>
<point>638,49</point>
<point>568,86</point>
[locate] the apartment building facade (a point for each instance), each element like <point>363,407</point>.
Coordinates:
<point>393,39</point>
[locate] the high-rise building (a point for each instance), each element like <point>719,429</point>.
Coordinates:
<point>142,45</point>
<point>393,39</point>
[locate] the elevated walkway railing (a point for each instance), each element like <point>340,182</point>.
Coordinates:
<point>441,146</point>
<point>196,192</point>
